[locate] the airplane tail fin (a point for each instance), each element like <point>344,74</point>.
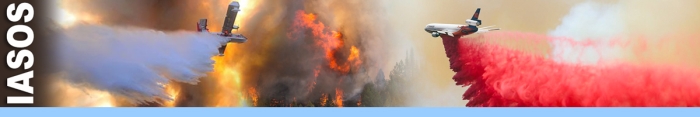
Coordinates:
<point>475,17</point>
<point>202,25</point>
<point>476,14</point>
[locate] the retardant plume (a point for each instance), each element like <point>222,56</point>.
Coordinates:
<point>581,71</point>
<point>500,76</point>
<point>133,62</point>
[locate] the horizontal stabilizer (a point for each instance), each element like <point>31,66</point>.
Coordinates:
<point>487,29</point>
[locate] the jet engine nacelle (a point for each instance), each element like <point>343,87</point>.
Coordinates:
<point>435,34</point>
<point>473,23</point>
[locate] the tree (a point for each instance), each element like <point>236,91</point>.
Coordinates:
<point>395,94</point>
<point>371,96</point>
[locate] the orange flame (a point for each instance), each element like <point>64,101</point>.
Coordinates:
<point>359,102</point>
<point>317,71</point>
<point>339,97</point>
<point>228,90</point>
<point>354,56</point>
<point>253,95</point>
<point>173,91</point>
<point>330,41</point>
<point>324,99</point>
<point>312,85</point>
<point>352,60</point>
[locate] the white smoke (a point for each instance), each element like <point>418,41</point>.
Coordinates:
<point>133,62</point>
<point>589,21</point>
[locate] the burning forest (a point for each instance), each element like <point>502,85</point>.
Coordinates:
<point>303,58</point>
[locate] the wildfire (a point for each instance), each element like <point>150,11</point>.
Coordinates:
<point>228,90</point>
<point>338,97</point>
<point>354,55</point>
<point>324,99</point>
<point>173,91</point>
<point>359,103</point>
<point>317,71</point>
<point>80,97</point>
<point>231,80</point>
<point>313,81</point>
<point>342,57</point>
<point>330,41</point>
<point>253,95</point>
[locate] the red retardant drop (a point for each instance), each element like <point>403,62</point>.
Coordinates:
<point>498,76</point>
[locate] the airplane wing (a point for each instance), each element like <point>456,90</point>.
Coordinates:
<point>230,18</point>
<point>228,26</point>
<point>445,33</point>
<point>238,38</point>
<point>235,38</point>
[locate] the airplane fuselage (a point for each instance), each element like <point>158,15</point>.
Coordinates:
<point>457,30</point>
<point>436,29</point>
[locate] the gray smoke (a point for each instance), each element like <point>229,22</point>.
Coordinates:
<point>289,62</point>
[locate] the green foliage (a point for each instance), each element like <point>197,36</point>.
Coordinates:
<point>372,97</point>
<point>393,94</point>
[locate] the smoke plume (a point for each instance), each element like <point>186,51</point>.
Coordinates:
<point>589,21</point>
<point>302,51</point>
